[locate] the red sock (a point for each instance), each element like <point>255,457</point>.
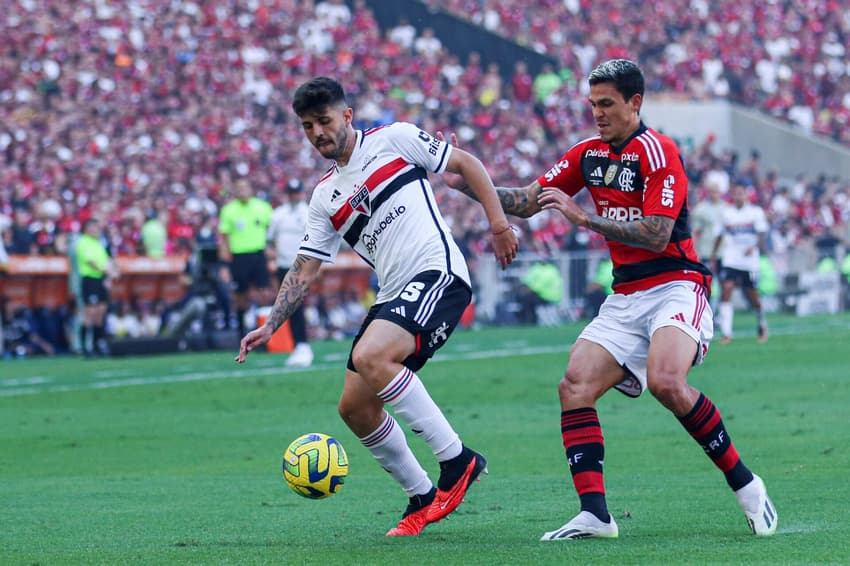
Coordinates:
<point>704,424</point>
<point>585,447</point>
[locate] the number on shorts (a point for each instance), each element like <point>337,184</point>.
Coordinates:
<point>412,291</point>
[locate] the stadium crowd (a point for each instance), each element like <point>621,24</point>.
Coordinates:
<point>149,112</point>
<point>786,58</point>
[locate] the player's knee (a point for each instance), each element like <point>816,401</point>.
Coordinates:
<point>669,387</point>
<point>575,386</point>
<point>566,389</point>
<point>365,361</point>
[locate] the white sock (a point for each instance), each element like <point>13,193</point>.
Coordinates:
<point>727,313</point>
<point>412,404</point>
<point>388,446</point>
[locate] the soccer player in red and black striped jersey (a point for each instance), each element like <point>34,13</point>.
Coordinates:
<point>658,322</point>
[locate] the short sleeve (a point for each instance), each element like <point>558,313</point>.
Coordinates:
<point>320,240</point>
<point>419,147</point>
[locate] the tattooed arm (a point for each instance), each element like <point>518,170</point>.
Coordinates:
<point>520,201</point>
<point>652,232</point>
<point>292,292</point>
<point>293,289</point>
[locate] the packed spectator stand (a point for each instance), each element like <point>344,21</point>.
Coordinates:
<point>787,59</point>
<point>151,109</point>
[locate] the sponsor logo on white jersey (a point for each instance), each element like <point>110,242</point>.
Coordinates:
<point>370,239</point>
<point>368,161</point>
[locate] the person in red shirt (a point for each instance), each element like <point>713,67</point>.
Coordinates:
<point>521,84</point>
<point>657,323</point>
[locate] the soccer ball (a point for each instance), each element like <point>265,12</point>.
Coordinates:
<point>315,465</point>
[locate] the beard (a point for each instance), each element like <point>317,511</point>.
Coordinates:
<point>337,148</point>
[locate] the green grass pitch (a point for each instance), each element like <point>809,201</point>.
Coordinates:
<point>176,460</point>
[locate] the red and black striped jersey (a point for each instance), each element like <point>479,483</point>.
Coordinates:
<point>642,177</point>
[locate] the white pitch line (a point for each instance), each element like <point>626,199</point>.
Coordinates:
<point>23,381</point>
<point>246,373</point>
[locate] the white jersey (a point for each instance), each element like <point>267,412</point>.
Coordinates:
<point>706,224</point>
<point>286,229</point>
<point>741,229</point>
<point>382,204</point>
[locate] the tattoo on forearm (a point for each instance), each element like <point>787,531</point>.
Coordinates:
<point>518,202</point>
<point>289,297</point>
<point>514,201</point>
<point>653,232</point>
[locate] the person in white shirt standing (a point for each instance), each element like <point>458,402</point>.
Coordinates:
<point>286,228</point>
<point>740,243</point>
<point>376,196</point>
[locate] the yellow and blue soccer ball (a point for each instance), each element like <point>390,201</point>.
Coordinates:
<point>315,465</point>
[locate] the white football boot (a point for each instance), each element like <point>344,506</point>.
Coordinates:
<point>301,356</point>
<point>584,525</point>
<point>757,506</point>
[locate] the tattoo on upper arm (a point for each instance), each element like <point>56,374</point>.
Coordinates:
<point>652,232</point>
<point>290,296</point>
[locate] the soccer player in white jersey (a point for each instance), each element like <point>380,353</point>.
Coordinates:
<point>377,197</point>
<point>741,241</point>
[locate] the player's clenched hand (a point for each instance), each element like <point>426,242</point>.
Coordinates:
<point>559,200</point>
<point>505,245</point>
<point>252,340</point>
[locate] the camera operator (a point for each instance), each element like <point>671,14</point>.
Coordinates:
<point>207,282</point>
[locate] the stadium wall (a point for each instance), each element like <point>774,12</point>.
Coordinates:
<point>458,36</point>
<point>43,281</point>
<point>496,290</point>
<point>783,147</point>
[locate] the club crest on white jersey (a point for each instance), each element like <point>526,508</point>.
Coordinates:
<point>359,201</point>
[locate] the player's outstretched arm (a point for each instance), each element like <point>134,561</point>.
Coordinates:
<point>519,201</point>
<point>293,290</point>
<point>478,182</point>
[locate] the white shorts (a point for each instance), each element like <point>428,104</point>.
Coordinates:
<point>626,323</point>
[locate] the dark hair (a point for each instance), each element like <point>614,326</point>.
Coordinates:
<point>626,76</point>
<point>316,94</point>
